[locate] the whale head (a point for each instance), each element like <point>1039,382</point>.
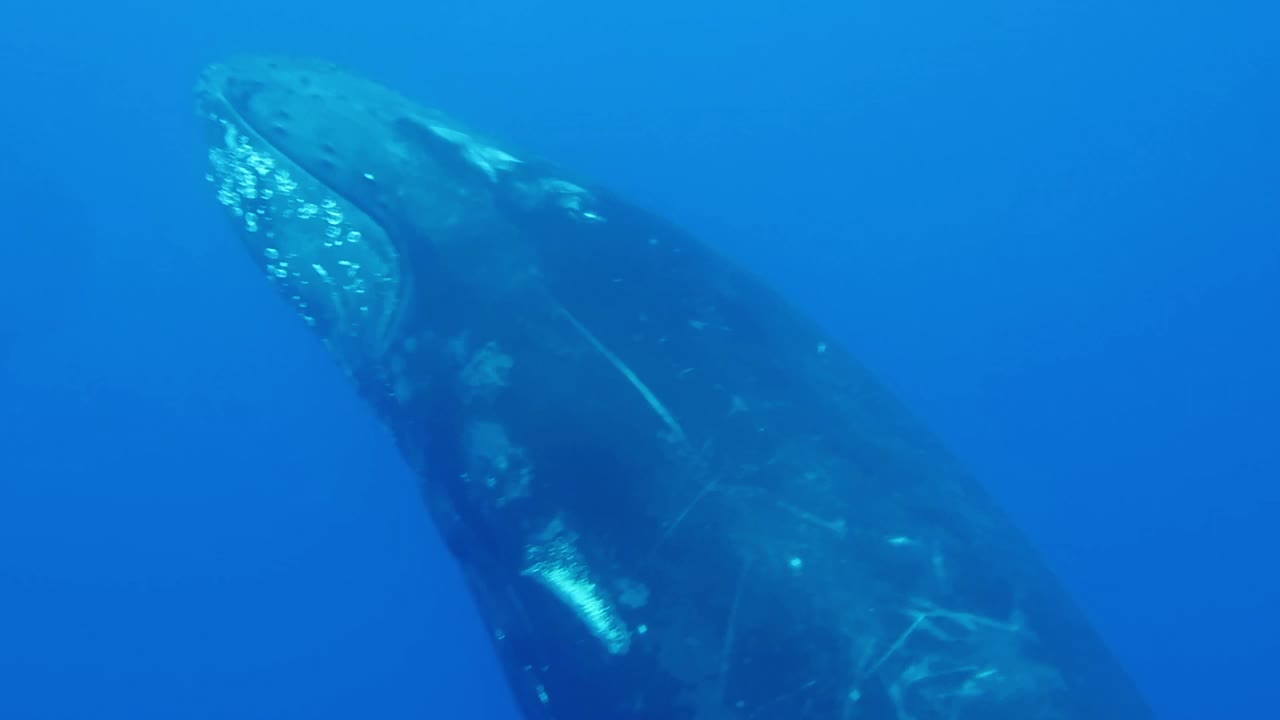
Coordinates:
<point>341,189</point>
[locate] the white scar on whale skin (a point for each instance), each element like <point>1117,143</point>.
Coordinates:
<point>555,562</point>
<point>677,433</point>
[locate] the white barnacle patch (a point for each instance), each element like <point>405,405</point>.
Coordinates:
<point>572,198</point>
<point>332,214</point>
<point>489,159</point>
<point>284,183</point>
<point>486,371</point>
<point>632,594</point>
<point>307,230</point>
<point>553,561</point>
<point>241,173</point>
<point>500,463</point>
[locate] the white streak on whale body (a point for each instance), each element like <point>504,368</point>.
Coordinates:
<point>677,433</point>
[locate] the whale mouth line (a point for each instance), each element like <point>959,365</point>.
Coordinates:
<point>237,95</point>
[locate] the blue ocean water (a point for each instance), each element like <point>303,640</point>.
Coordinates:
<point>1051,228</point>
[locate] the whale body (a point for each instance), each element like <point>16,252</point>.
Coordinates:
<point>673,496</point>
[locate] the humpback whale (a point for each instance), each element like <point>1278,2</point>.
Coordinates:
<point>672,494</point>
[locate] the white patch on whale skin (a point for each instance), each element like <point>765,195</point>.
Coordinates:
<point>486,372</point>
<point>632,594</point>
<point>573,199</point>
<point>554,561</point>
<point>500,464</point>
<point>490,160</point>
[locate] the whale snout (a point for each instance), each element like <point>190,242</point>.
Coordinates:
<point>340,267</point>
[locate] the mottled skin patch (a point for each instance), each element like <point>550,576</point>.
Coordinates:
<point>724,515</point>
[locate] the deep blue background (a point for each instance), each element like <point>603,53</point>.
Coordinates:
<point>1052,227</point>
